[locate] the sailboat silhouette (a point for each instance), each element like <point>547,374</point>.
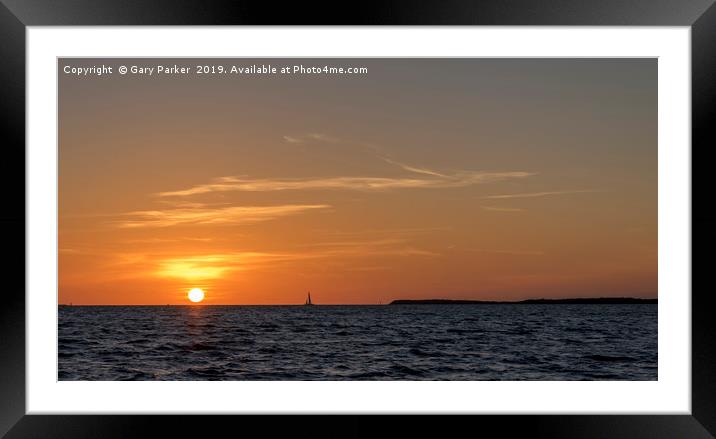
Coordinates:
<point>308,300</point>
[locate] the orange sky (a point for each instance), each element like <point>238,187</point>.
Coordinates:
<point>433,178</point>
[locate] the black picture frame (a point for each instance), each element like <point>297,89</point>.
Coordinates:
<point>16,15</point>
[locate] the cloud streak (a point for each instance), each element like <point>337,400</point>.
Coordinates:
<point>320,137</point>
<point>217,265</point>
<point>199,214</point>
<point>508,252</point>
<point>538,194</point>
<point>502,209</point>
<point>423,177</point>
<point>415,169</point>
<point>458,179</point>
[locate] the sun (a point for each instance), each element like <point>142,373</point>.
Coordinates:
<point>196,295</point>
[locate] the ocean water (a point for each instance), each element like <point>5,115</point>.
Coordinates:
<point>389,342</point>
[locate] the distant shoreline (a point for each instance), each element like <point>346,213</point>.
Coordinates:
<point>575,301</point>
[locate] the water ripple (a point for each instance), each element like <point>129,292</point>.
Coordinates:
<point>400,342</point>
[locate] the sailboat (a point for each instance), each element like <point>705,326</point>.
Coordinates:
<point>308,300</point>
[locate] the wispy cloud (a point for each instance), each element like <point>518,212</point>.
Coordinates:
<point>357,255</point>
<point>319,137</point>
<point>392,247</point>
<point>424,177</point>
<point>167,240</point>
<point>538,194</point>
<point>392,232</point>
<point>415,169</point>
<point>502,209</point>
<point>289,139</point>
<point>458,179</point>
<point>196,267</point>
<point>358,243</point>
<point>507,252</point>
<point>217,265</point>
<point>200,214</point>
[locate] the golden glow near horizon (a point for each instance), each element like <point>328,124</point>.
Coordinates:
<point>196,295</point>
<point>489,179</point>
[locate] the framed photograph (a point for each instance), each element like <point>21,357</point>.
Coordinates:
<point>462,208</point>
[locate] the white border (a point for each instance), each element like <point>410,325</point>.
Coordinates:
<point>670,394</point>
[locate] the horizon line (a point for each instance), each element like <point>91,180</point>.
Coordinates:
<point>475,301</point>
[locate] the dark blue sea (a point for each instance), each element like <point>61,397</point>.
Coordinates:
<point>389,342</point>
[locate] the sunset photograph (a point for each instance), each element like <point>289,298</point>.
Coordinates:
<point>357,219</point>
